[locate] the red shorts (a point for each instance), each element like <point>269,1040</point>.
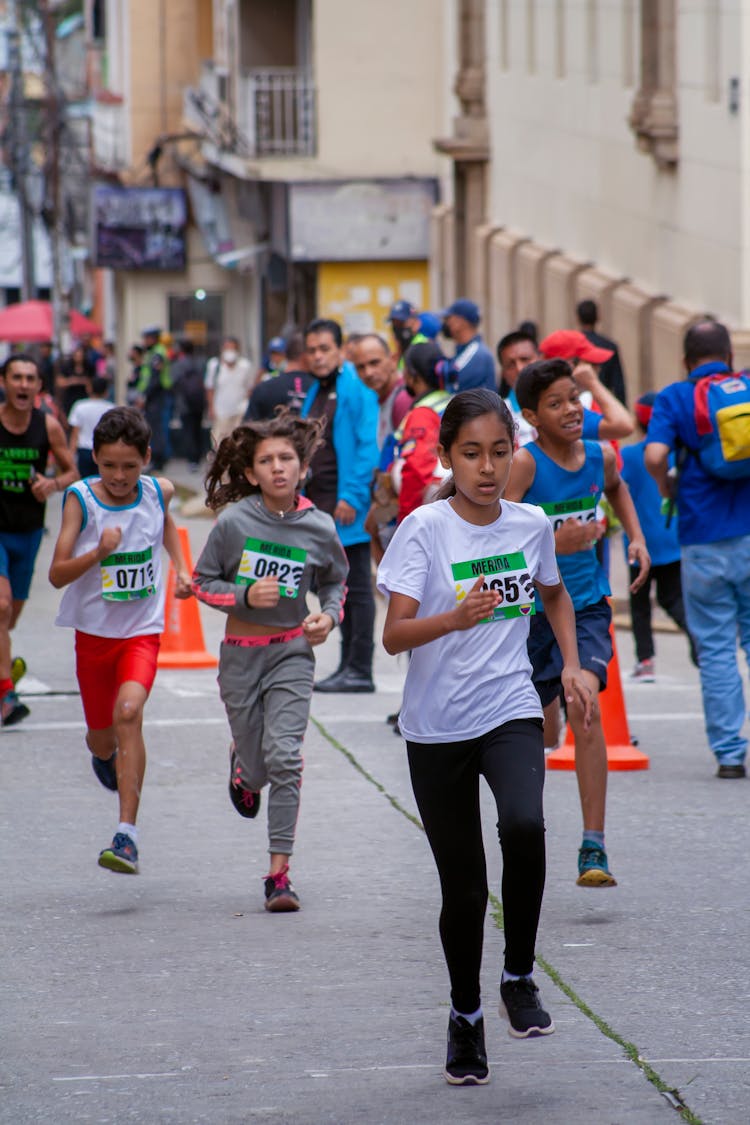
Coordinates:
<point>104,664</point>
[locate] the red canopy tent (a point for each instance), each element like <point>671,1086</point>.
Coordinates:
<point>31,322</point>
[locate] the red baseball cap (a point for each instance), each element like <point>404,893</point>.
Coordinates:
<point>569,344</point>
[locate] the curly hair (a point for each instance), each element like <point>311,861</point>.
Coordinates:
<point>226,480</point>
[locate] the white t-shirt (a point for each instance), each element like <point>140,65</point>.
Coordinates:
<point>231,384</point>
<point>469,682</point>
<point>85,414</point>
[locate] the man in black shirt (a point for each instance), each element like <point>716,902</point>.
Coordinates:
<point>610,373</point>
<point>288,388</point>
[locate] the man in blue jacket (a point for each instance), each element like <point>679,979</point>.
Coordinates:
<point>340,478</point>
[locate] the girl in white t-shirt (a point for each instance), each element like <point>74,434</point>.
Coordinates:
<point>460,575</point>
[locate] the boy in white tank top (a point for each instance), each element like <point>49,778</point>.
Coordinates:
<point>108,555</point>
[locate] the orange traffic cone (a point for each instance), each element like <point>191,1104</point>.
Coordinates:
<point>621,753</point>
<point>182,644</point>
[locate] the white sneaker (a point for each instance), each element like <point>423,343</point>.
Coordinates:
<point>644,672</point>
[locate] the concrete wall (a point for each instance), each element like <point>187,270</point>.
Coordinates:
<point>566,170</point>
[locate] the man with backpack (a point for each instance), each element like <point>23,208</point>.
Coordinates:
<point>705,421</point>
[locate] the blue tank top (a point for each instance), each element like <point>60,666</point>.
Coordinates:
<point>563,494</point>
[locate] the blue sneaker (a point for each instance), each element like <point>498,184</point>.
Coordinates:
<point>593,869</point>
<point>105,771</point>
<point>121,855</point>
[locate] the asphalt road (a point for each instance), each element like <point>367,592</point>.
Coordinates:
<point>174,997</point>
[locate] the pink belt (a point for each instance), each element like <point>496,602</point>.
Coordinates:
<point>254,642</point>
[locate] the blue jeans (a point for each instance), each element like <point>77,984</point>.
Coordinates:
<point>716,592</point>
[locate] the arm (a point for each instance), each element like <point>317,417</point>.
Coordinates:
<point>558,610</point>
<point>331,579</point>
<point>64,568</point>
<point>42,487</point>
<point>616,421</point>
<point>656,460</point>
<point>172,544</point>
<point>403,630</point>
<point>618,494</point>
<point>522,473</point>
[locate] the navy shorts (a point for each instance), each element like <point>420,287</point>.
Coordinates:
<point>18,551</point>
<point>594,648</point>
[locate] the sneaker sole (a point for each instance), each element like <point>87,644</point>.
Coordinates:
<point>282,904</point>
<point>17,714</point>
<point>467,1080</point>
<point>112,862</point>
<point>17,669</point>
<point>532,1033</point>
<point>596,878</point>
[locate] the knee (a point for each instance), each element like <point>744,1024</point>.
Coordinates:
<point>521,833</point>
<point>6,610</point>
<point>128,714</point>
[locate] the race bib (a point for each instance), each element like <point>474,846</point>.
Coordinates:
<point>261,559</point>
<point>128,576</point>
<point>508,574</point>
<point>16,468</point>
<point>582,509</point>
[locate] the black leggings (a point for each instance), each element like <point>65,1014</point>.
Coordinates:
<point>445,779</point>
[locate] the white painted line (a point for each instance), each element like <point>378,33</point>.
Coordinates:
<point>118,1077</point>
<point>664,716</point>
<point>183,722</point>
<point>577,944</point>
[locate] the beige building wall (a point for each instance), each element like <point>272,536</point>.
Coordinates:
<point>566,169</point>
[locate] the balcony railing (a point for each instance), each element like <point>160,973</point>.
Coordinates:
<point>276,109</point>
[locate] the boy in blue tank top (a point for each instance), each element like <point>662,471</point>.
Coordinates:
<point>566,476</point>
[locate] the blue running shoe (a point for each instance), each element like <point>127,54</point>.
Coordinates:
<point>120,856</point>
<point>105,771</point>
<point>593,869</point>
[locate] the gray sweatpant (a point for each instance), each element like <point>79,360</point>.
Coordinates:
<point>266,691</point>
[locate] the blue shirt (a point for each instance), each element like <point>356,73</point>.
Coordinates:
<point>710,509</point>
<point>563,494</point>
<point>472,366</point>
<point>662,542</point>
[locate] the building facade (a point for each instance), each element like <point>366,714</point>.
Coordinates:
<point>602,151</point>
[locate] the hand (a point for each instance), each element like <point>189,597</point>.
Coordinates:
<point>585,376</point>
<point>109,541</point>
<point>42,487</point>
<point>574,536</point>
<point>477,605</point>
<point>263,594</point>
<point>638,556</point>
<point>577,691</point>
<point>183,586</point>
<point>344,513</point>
<point>317,626</point>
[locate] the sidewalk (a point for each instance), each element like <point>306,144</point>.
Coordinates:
<point>173,996</point>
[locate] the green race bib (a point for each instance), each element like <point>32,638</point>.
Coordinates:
<point>16,468</point>
<point>582,509</point>
<point>128,576</point>
<point>262,559</point>
<point>508,574</point>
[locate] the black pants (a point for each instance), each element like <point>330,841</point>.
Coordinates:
<point>445,779</point>
<point>358,624</point>
<point>668,596</point>
<point>192,428</point>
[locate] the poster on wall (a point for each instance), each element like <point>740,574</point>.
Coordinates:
<point>139,228</point>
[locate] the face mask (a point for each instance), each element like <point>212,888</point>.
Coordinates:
<point>229,355</point>
<point>403,333</point>
<point>445,331</point>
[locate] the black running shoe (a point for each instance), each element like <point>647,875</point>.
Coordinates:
<point>466,1061</point>
<point>281,896</point>
<point>12,710</point>
<point>104,768</point>
<point>246,801</point>
<point>520,1004</point>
